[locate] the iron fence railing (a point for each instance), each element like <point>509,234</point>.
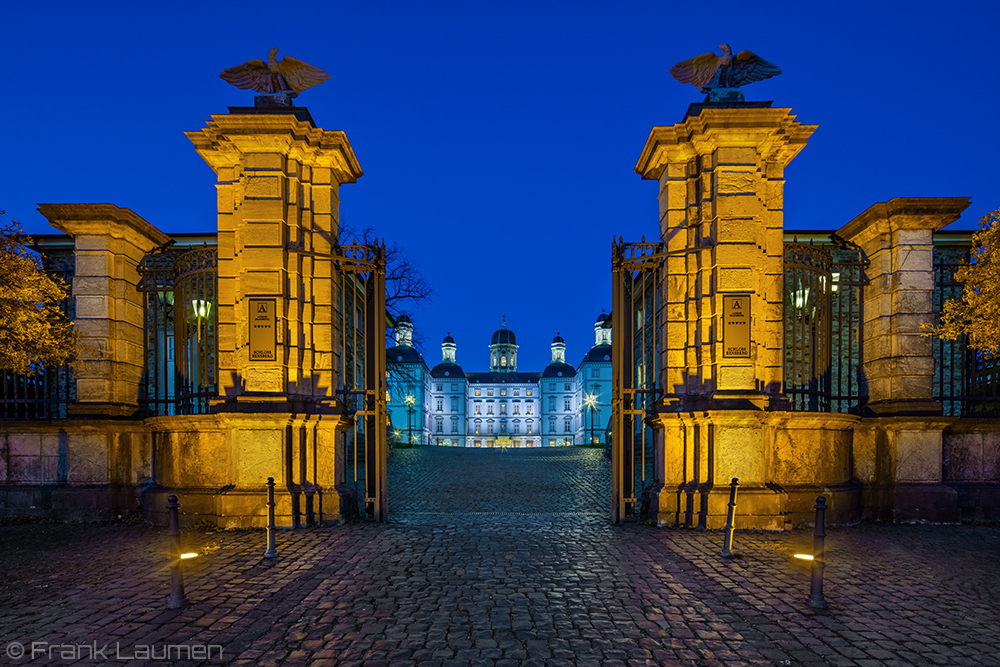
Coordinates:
<point>48,392</point>
<point>966,381</point>
<point>823,327</point>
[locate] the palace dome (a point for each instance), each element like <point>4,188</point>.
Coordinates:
<point>503,337</point>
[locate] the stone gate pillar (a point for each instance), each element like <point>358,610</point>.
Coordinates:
<point>109,242</point>
<point>721,177</point>
<point>898,453</point>
<point>276,415</point>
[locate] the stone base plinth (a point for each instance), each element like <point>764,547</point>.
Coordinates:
<point>978,501</point>
<point>242,507</point>
<point>911,503</point>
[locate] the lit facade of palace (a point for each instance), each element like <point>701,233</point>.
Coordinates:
<point>502,407</point>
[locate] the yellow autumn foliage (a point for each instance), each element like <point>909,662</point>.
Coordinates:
<point>33,331</point>
<point>976,314</point>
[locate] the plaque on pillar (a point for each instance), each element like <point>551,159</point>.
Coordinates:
<point>736,326</point>
<point>262,330</point>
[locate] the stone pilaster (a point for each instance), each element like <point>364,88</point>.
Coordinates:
<point>721,178</point>
<point>898,454</point>
<point>278,185</point>
<point>109,243</point>
<point>897,237</point>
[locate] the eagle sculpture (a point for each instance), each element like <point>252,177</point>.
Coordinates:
<point>289,75</point>
<point>720,76</point>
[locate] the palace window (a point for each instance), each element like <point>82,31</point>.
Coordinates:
<point>454,426</point>
<point>552,386</point>
<point>517,409</point>
<point>595,372</point>
<point>477,392</point>
<point>552,403</point>
<point>454,403</point>
<point>528,427</point>
<point>569,387</point>
<point>503,428</point>
<point>517,392</point>
<point>567,426</point>
<point>489,392</point>
<point>552,426</point>
<point>477,429</point>
<point>440,404</point>
<point>517,428</point>
<point>489,408</point>
<point>529,408</point>
<point>440,426</point>
<point>528,392</point>
<point>503,408</point>
<point>440,387</point>
<point>489,428</point>
<point>566,405</point>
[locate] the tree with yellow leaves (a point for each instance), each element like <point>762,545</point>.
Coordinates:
<point>33,331</point>
<point>977,313</point>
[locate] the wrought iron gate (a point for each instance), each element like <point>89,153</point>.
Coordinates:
<point>362,371</point>
<point>636,305</point>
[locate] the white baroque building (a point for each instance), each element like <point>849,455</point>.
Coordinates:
<point>501,407</point>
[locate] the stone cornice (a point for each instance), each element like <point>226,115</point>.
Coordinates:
<point>227,138</point>
<point>931,213</point>
<point>103,220</point>
<point>773,132</point>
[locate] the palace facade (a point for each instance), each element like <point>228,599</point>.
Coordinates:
<point>502,407</point>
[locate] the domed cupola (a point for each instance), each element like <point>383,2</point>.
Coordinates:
<point>558,367</point>
<point>448,368</point>
<point>404,330</point>
<point>448,348</point>
<point>503,350</point>
<point>602,332</point>
<point>403,351</point>
<point>558,350</point>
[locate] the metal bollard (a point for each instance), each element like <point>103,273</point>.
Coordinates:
<point>272,550</point>
<point>816,600</point>
<point>727,544</point>
<point>177,597</point>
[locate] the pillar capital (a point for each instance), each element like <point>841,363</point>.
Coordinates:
<point>904,213</point>
<point>773,133</point>
<point>228,139</point>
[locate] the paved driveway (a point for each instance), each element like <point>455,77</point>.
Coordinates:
<point>502,558</point>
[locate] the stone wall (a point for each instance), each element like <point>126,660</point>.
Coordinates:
<point>73,469</point>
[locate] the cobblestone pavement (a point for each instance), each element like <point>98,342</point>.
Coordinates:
<point>502,558</point>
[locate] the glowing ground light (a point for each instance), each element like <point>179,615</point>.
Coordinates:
<point>189,555</point>
<point>804,556</point>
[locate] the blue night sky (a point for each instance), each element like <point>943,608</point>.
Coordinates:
<point>498,140</point>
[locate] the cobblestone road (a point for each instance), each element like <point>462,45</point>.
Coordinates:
<point>502,558</point>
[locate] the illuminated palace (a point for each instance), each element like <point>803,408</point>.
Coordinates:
<point>502,407</point>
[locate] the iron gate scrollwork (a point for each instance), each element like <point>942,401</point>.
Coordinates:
<point>180,334</point>
<point>636,310</point>
<point>823,326</point>
<point>363,368</point>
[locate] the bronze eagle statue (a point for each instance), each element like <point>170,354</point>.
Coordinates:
<point>288,75</point>
<point>714,74</point>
